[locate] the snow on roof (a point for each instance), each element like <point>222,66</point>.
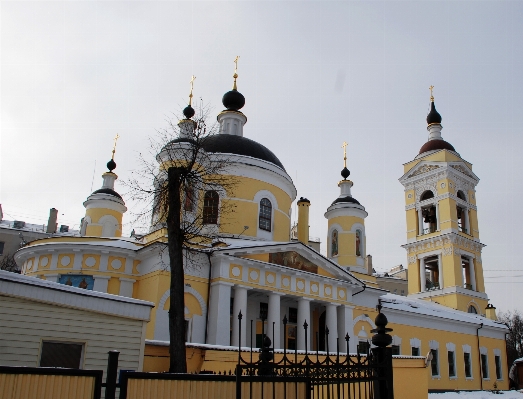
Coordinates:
<point>477,395</point>
<point>420,306</point>
<point>114,243</point>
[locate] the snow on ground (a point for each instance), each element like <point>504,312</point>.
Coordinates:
<point>477,395</point>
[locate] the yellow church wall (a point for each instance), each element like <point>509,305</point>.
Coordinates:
<point>452,271</point>
<point>412,223</point>
<point>95,257</point>
<point>480,281</point>
<point>155,235</point>
<point>260,257</point>
<point>447,214</point>
<point>473,220</point>
<point>113,286</point>
<point>407,371</point>
<point>44,262</point>
<point>409,165</point>
<point>93,231</point>
<point>97,213</point>
<point>414,278</point>
<point>323,272</point>
<point>346,222</point>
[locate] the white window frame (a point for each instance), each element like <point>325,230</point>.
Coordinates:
<point>497,353</point>
<point>415,343</point>
<point>452,348</point>
<point>484,351</point>
<point>434,345</point>
<point>260,233</point>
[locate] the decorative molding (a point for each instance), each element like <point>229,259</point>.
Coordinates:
<point>453,239</point>
<point>462,169</point>
<point>424,169</point>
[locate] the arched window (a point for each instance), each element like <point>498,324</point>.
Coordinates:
<point>359,237</point>
<point>472,309</point>
<point>426,195</point>
<point>461,196</point>
<point>428,219</point>
<point>334,243</point>
<point>462,214</point>
<point>265,214</point>
<point>211,202</point>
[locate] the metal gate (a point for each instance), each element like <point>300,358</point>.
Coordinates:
<point>315,375</point>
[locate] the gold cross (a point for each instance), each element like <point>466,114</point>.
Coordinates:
<point>236,64</point>
<point>431,96</point>
<point>114,146</point>
<point>192,87</point>
<point>344,146</point>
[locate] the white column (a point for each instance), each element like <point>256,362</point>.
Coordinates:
<point>422,278</point>
<point>467,221</point>
<point>239,304</point>
<point>304,314</point>
<point>273,316</point>
<point>440,271</point>
<point>420,222</point>
<point>126,287</point>
<point>346,326</point>
<point>331,321</point>
<point>437,215</point>
<point>219,326</point>
<point>101,283</point>
<point>54,261</point>
<point>77,263</point>
<point>472,273</point>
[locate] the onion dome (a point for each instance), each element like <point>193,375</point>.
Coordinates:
<point>233,100</point>
<point>348,199</point>
<point>434,145</point>
<point>189,112</point>
<point>433,116</point>
<point>345,173</point>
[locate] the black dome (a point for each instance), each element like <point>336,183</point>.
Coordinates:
<point>233,100</point>
<point>433,145</point>
<point>111,165</point>
<point>230,144</point>
<point>433,116</point>
<point>346,200</point>
<point>107,191</point>
<point>188,112</point>
<point>345,173</point>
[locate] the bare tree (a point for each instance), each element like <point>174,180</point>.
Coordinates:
<point>181,192</point>
<point>7,263</point>
<point>514,321</point>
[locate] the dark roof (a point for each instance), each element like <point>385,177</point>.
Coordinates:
<point>346,199</point>
<point>239,145</point>
<point>107,191</point>
<point>433,145</point>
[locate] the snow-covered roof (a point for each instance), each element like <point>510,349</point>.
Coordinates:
<point>105,242</point>
<point>423,307</point>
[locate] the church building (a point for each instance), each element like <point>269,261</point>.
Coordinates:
<point>266,275</point>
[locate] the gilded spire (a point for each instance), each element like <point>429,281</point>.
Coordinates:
<point>114,145</point>
<point>431,94</point>
<point>192,87</point>
<point>235,76</point>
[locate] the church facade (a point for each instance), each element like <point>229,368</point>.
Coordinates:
<point>265,275</point>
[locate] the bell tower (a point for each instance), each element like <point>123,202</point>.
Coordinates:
<point>443,245</point>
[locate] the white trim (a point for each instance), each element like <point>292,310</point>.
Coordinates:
<point>264,234</point>
<point>451,347</point>
<point>433,344</point>
<point>415,343</point>
<point>364,317</point>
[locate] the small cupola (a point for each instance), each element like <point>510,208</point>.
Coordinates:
<point>104,208</point>
<point>435,142</point>
<point>187,125</point>
<point>231,119</point>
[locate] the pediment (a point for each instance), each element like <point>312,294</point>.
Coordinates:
<point>294,255</point>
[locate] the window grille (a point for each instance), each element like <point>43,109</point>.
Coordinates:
<point>265,214</point>
<point>211,202</point>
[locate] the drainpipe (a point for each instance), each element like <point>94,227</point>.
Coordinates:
<point>479,357</point>
<point>359,292</point>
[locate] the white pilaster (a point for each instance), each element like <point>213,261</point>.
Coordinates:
<point>219,314</point>
<point>126,287</point>
<point>437,215</point>
<point>239,305</point>
<point>472,273</point>
<point>440,271</point>
<point>304,314</point>
<point>346,326</point>
<point>273,316</point>
<point>100,283</point>
<point>467,221</point>
<point>422,278</point>
<point>54,261</point>
<point>331,321</point>
<point>77,264</point>
<point>420,222</point>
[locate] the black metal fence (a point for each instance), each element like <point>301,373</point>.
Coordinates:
<point>326,375</point>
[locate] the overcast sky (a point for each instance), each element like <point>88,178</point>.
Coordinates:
<point>314,74</point>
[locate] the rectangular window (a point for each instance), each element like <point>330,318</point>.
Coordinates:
<point>452,366</point>
<point>395,350</point>
<point>264,310</point>
<point>468,369</point>
<point>415,351</point>
<point>293,315</point>
<point>434,363</point>
<point>2,247</point>
<point>497,360</point>
<point>484,366</point>
<point>61,354</point>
